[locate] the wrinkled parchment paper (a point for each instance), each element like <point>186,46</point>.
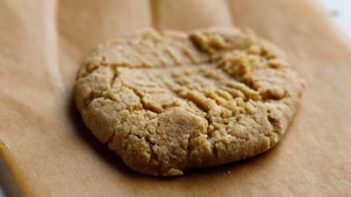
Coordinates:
<point>48,151</point>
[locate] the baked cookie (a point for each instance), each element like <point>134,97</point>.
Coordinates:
<point>169,101</point>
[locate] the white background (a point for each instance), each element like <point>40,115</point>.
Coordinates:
<point>339,10</point>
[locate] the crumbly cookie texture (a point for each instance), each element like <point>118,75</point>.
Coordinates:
<point>169,101</point>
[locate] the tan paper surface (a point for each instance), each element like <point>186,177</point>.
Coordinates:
<point>50,153</point>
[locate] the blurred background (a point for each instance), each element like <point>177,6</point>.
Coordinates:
<point>340,11</point>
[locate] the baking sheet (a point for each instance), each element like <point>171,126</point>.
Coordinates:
<point>49,152</point>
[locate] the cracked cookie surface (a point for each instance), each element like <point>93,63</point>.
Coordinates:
<point>165,102</point>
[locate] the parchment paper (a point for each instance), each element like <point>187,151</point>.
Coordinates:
<point>48,151</point>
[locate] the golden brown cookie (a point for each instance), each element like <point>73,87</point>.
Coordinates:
<point>165,102</point>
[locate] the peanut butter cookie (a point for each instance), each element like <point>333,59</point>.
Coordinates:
<point>165,102</point>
